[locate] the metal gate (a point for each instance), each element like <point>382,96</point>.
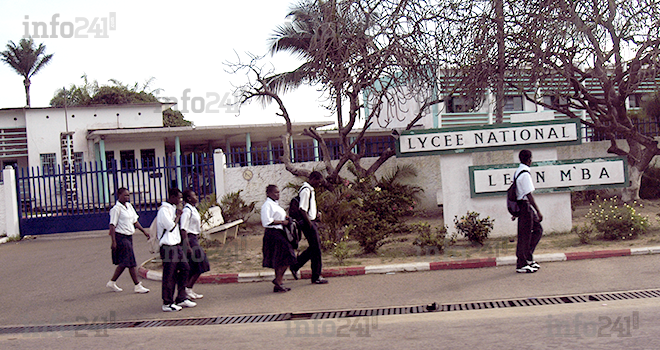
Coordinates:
<point>56,200</point>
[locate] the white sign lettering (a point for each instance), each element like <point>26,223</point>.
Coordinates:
<point>506,136</point>
<point>556,175</point>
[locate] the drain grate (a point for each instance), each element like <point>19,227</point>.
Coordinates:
<point>222,320</point>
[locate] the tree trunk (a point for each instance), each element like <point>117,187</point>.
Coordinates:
<point>631,192</point>
<point>26,82</point>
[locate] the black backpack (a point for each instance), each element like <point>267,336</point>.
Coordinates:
<point>294,210</point>
<point>512,197</point>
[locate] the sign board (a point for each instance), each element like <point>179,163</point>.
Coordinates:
<point>552,176</point>
<point>489,137</point>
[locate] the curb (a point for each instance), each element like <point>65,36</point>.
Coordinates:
<point>408,267</point>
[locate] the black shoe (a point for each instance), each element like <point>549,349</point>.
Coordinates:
<point>321,280</point>
<point>280,289</point>
<point>294,272</point>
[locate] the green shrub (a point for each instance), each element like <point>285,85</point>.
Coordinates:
<point>340,250</point>
<point>367,210</point>
<point>428,241</point>
<point>474,229</point>
<point>369,230</point>
<point>616,220</point>
<point>234,207</point>
<point>337,207</point>
<point>585,233</point>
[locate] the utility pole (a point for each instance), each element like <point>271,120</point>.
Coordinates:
<point>499,98</point>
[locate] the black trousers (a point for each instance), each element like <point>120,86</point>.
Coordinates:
<point>312,253</point>
<point>529,234</point>
<point>175,273</point>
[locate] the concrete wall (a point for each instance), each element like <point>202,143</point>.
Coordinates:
<point>429,169</point>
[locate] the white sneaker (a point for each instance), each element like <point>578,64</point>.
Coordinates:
<point>113,285</point>
<point>534,264</point>
<point>139,288</point>
<point>192,295</point>
<point>187,303</point>
<point>526,269</point>
<point>171,308</point>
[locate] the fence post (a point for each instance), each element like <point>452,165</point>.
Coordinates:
<point>11,202</point>
<point>219,172</point>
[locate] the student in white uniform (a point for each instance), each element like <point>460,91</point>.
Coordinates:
<point>123,221</point>
<point>529,221</point>
<point>191,226</point>
<point>175,264</point>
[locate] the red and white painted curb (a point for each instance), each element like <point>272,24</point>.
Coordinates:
<point>410,267</point>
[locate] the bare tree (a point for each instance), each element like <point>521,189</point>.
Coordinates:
<point>386,50</point>
<point>590,55</point>
<point>587,55</point>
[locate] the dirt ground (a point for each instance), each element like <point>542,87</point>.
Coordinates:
<point>244,253</point>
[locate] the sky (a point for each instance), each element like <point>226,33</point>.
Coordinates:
<point>182,45</point>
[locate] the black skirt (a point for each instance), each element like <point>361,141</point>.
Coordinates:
<point>123,255</point>
<point>198,261</point>
<point>277,250</point>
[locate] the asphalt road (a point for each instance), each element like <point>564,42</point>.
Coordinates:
<point>55,281</point>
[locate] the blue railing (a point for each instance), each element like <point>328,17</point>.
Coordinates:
<point>90,189</point>
<point>645,127</point>
<point>303,151</point>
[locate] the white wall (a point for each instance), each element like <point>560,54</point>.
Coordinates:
<point>3,211</point>
<point>429,177</point>
<point>45,125</point>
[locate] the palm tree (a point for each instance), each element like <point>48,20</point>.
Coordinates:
<point>26,60</point>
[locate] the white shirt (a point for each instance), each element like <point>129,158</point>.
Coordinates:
<point>308,200</point>
<point>168,230</point>
<point>191,222</point>
<point>123,218</point>
<point>271,211</point>
<point>524,183</point>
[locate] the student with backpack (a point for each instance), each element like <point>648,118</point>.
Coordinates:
<point>175,263</point>
<point>529,221</point>
<point>308,215</point>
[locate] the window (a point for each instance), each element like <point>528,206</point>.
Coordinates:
<point>555,101</point>
<point>635,101</point>
<point>78,161</point>
<point>513,103</point>
<point>109,159</point>
<point>458,104</point>
<point>148,157</point>
<point>127,160</point>
<point>48,163</point>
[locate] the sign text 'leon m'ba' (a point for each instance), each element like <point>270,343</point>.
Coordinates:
<point>471,139</point>
<point>552,176</point>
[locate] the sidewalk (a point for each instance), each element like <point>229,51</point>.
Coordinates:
<point>267,276</point>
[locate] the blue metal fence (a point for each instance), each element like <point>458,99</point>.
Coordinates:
<point>80,199</point>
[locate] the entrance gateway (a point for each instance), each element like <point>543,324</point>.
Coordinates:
<point>481,187</point>
<point>56,200</point>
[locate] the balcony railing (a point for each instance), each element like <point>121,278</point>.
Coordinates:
<point>303,151</point>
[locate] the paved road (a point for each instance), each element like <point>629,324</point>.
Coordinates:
<point>51,281</point>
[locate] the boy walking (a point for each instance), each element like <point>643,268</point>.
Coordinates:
<point>529,221</point>
<point>308,207</point>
